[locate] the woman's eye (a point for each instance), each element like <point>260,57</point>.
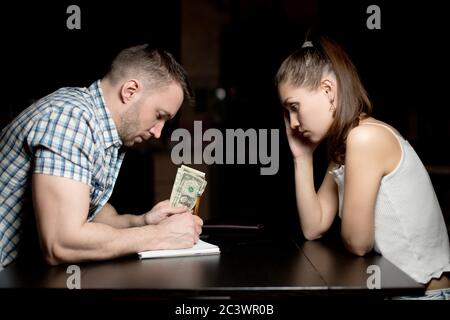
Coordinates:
<point>293,106</point>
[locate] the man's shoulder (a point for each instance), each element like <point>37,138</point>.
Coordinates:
<point>68,109</point>
<point>75,101</point>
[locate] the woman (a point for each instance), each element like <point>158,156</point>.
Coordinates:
<point>375,180</point>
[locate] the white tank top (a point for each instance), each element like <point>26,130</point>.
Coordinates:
<point>409,227</point>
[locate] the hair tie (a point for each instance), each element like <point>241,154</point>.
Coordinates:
<point>307,44</point>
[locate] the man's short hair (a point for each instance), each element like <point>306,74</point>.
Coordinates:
<point>155,67</point>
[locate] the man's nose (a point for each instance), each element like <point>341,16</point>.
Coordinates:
<point>156,130</point>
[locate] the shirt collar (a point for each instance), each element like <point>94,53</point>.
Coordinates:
<point>109,129</point>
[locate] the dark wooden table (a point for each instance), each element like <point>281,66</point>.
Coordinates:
<point>250,266</point>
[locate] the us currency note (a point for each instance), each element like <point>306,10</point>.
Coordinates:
<point>189,184</point>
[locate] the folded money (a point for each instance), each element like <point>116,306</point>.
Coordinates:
<point>189,184</point>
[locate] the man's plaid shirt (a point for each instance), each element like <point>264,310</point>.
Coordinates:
<point>69,133</point>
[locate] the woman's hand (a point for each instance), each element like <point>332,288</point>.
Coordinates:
<point>300,146</point>
<point>161,211</point>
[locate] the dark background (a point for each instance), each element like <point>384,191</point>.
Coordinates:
<point>403,66</point>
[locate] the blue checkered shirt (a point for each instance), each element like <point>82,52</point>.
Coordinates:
<point>69,133</point>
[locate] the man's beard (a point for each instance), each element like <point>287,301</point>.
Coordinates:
<point>129,125</point>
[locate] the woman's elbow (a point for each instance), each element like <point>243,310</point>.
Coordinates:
<point>359,249</point>
<point>311,235</point>
<point>360,252</point>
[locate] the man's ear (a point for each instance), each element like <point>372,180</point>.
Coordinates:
<point>129,90</point>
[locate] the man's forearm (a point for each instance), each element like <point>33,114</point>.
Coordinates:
<point>98,241</point>
<point>61,206</point>
<point>108,215</point>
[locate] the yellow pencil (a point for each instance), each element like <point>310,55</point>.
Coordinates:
<point>197,205</point>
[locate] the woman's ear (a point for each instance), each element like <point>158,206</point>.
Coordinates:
<point>328,86</point>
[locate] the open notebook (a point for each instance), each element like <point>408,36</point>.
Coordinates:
<point>200,248</point>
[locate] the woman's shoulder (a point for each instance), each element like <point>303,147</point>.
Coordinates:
<point>375,139</point>
<point>372,131</point>
<point>370,121</point>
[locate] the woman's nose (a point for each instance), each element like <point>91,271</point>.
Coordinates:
<point>294,121</point>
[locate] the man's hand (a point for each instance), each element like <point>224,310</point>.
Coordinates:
<point>163,210</point>
<point>181,230</point>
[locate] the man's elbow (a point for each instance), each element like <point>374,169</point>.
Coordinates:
<point>55,254</point>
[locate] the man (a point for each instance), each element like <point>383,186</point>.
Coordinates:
<point>62,156</point>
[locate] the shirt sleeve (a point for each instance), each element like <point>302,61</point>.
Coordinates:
<point>62,144</point>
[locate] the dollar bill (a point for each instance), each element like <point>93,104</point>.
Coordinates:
<point>189,183</point>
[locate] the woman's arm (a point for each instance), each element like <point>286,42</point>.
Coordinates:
<point>316,210</point>
<point>371,153</point>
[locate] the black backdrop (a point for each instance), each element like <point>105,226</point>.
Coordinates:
<point>402,65</point>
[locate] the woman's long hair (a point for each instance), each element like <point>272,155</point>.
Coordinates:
<point>305,68</point>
